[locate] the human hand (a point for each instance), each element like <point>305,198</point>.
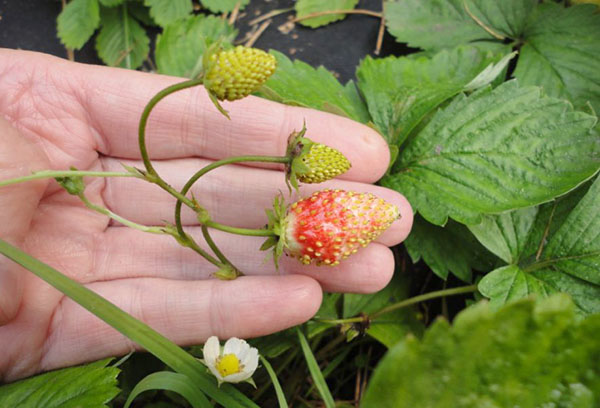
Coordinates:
<point>60,114</point>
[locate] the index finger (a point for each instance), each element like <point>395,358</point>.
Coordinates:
<point>187,124</point>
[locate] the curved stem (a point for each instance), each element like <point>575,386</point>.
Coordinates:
<point>427,296</point>
<point>402,304</point>
<point>152,175</point>
<point>190,243</point>
<point>214,246</point>
<point>217,164</point>
<point>64,173</point>
<point>116,217</point>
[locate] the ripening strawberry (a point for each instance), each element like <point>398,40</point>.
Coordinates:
<point>331,225</point>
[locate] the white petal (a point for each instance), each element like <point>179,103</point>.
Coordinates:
<point>211,351</point>
<point>215,372</point>
<point>238,377</point>
<point>244,349</point>
<point>233,346</point>
<point>251,361</point>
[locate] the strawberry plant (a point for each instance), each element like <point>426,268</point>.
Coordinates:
<point>492,128</point>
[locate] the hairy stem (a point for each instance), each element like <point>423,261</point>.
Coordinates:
<point>65,173</point>
<point>152,175</point>
<point>116,217</point>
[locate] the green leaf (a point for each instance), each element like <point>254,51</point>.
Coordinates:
<point>223,6</point>
<point>180,47</point>
<point>140,13</point>
<point>495,151</point>
<point>77,22</point>
<point>449,249</point>
<point>92,385</point>
<point>528,354</point>
<point>165,12</point>
<point>315,371</point>
<point>400,92</point>
<point>111,3</point>
<point>561,53</point>
<point>506,18</point>
<point>297,83</point>
<point>569,262</point>
<point>306,7</point>
<point>122,41</point>
<point>168,380</point>
<point>506,235</point>
<point>432,25</point>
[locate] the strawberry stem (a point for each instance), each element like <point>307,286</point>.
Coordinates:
<point>64,173</point>
<point>262,232</point>
<point>151,174</point>
<point>402,304</point>
<point>217,164</point>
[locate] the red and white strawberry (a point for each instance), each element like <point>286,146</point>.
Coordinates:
<point>331,225</point>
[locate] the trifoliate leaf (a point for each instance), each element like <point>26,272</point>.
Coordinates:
<point>449,249</point>
<point>91,386</point>
<point>297,83</point>
<point>497,150</point>
<point>180,47</point>
<point>223,6</point>
<point>567,258</point>
<point>165,12</point>
<point>77,22</point>
<point>400,92</point>
<point>561,53</point>
<point>306,7</point>
<point>528,354</point>
<point>506,18</point>
<point>122,41</point>
<point>433,24</point>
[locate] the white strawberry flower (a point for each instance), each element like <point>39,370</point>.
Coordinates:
<point>234,363</point>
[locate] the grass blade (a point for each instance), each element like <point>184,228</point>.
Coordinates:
<point>163,348</point>
<point>168,380</point>
<point>315,371</point>
<point>275,381</point>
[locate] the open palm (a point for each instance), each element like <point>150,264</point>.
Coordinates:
<point>59,114</point>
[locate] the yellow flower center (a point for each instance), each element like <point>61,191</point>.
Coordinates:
<point>228,365</point>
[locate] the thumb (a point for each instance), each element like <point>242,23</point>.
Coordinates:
<point>18,157</point>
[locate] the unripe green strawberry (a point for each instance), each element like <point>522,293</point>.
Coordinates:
<point>312,162</point>
<point>331,225</point>
<point>236,73</point>
<point>323,163</point>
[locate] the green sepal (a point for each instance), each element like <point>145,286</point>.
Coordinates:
<point>298,145</point>
<point>276,217</point>
<point>73,184</point>
<point>227,272</point>
<point>217,104</point>
<point>134,171</point>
